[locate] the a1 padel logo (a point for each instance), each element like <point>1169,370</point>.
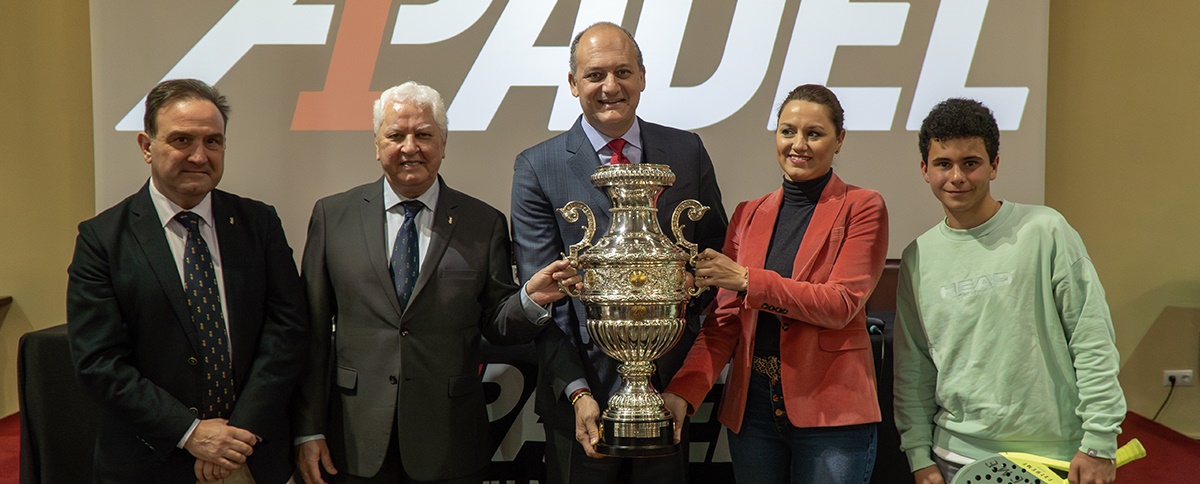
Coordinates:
<point>509,58</point>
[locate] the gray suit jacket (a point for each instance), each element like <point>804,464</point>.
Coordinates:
<point>373,361</point>
<point>557,171</point>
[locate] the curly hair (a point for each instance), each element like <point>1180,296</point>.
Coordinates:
<point>958,118</point>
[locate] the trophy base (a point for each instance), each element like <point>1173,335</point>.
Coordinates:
<point>621,439</point>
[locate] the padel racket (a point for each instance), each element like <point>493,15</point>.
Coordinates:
<point>1021,468</point>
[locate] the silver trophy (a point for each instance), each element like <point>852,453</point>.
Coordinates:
<point>633,288</point>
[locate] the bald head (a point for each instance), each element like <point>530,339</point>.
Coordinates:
<point>608,78</point>
<point>574,62</point>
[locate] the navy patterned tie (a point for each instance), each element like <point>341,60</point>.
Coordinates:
<point>204,304</point>
<point>406,253</point>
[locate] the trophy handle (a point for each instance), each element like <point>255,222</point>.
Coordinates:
<point>570,212</point>
<point>695,211</point>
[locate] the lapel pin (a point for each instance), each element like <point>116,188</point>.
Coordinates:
<point>230,220</point>
<point>450,221</point>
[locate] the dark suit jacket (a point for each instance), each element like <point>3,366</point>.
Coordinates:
<point>419,365</point>
<point>134,345</point>
<point>557,171</point>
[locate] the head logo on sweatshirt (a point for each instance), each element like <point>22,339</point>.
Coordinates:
<point>976,285</point>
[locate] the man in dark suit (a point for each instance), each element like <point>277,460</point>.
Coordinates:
<point>185,314</point>
<point>393,391</point>
<point>575,377</point>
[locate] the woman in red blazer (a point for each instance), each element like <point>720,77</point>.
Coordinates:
<point>797,268</point>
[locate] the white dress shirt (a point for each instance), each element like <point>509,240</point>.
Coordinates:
<point>633,142</point>
<point>176,235</point>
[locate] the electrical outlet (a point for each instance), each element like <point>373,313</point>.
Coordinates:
<point>1183,378</point>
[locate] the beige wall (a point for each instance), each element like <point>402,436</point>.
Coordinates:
<point>1122,103</point>
<point>1120,164</point>
<point>46,179</point>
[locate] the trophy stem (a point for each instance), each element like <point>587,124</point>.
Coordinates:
<point>637,423</point>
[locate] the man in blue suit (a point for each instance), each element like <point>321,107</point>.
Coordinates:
<point>575,377</point>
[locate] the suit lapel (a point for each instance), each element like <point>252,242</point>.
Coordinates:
<point>763,222</point>
<point>583,162</point>
<point>829,206</point>
<point>654,153</point>
<point>651,151</point>
<point>374,222</point>
<point>235,246</point>
<point>148,231</point>
<point>442,230</point>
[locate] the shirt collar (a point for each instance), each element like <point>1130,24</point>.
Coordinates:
<point>167,209</point>
<point>997,220</point>
<point>429,198</point>
<point>633,136</point>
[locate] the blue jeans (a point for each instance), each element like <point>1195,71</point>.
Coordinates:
<point>770,450</point>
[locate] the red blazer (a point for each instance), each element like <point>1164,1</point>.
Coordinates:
<point>828,372</point>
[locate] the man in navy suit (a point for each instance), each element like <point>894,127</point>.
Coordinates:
<point>575,377</point>
<point>185,314</point>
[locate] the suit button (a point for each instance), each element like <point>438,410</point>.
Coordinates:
<point>194,411</point>
<point>392,379</point>
<point>778,412</point>
<point>192,360</point>
<point>404,333</point>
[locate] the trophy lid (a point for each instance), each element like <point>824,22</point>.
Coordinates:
<point>643,174</point>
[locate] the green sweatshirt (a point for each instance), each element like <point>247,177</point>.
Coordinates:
<point>1004,342</point>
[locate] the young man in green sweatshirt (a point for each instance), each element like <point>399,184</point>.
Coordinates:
<point>1004,341</point>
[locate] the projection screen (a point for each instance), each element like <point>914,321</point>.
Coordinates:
<point>301,76</point>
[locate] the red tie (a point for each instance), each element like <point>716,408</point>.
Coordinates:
<point>618,158</point>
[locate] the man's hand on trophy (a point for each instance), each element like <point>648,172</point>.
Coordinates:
<point>678,407</point>
<point>587,430</point>
<point>553,282</point>
<point>716,269</point>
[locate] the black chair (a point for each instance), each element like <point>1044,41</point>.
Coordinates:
<point>58,421</point>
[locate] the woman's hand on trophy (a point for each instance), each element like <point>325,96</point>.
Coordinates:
<point>716,269</point>
<point>679,408</point>
<point>587,428</point>
<point>553,282</point>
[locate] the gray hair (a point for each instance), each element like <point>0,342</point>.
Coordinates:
<point>415,93</point>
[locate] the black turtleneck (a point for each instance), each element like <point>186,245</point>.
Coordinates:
<point>799,201</point>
